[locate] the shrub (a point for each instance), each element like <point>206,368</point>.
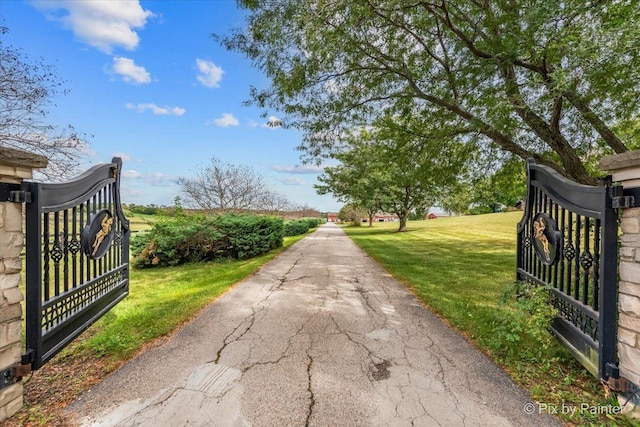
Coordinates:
<point>480,210</point>
<point>521,328</point>
<point>179,240</point>
<point>314,222</point>
<point>301,226</point>
<point>294,228</point>
<point>250,235</point>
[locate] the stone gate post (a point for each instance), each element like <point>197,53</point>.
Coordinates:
<point>14,167</point>
<point>625,169</point>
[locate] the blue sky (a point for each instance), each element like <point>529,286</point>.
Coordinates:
<point>151,85</point>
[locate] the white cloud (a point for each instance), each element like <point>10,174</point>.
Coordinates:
<point>130,72</point>
<point>210,74</point>
<point>294,180</point>
<point>226,120</point>
<point>101,24</point>
<point>272,123</point>
<point>131,174</point>
<point>159,179</point>
<point>306,169</point>
<point>125,157</point>
<point>155,179</point>
<point>158,111</point>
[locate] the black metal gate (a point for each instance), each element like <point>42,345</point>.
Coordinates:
<point>77,257</point>
<point>567,241</point>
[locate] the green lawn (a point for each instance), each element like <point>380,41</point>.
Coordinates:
<point>463,268</point>
<point>140,222</point>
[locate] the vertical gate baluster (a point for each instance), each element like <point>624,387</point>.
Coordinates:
<point>585,261</point>
<point>74,247</point>
<point>65,245</point>
<point>570,253</point>
<point>85,256</point>
<point>596,266</point>
<point>561,257</point>
<point>45,256</point>
<point>81,254</point>
<point>56,253</point>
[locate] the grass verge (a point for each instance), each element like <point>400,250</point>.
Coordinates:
<point>160,300</point>
<point>463,269</point>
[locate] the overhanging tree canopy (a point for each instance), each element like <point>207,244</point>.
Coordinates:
<point>536,78</point>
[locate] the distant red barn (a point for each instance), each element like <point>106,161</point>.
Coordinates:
<point>432,216</point>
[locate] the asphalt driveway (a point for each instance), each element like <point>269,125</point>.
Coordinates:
<point>320,336</point>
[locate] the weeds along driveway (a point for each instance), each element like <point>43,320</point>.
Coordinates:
<point>320,336</point>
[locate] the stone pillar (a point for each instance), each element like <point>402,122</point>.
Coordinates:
<point>625,169</point>
<point>14,167</point>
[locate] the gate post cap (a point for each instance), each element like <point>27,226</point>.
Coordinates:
<point>13,157</point>
<point>630,159</point>
<point>624,167</point>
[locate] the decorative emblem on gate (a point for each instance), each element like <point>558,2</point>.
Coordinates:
<point>97,235</point>
<point>547,239</point>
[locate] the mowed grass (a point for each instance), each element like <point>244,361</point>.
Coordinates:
<point>140,222</point>
<point>463,269</point>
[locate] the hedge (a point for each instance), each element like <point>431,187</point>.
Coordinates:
<point>175,241</point>
<point>300,226</point>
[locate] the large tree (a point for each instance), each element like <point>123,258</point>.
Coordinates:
<point>27,88</point>
<point>536,78</point>
<point>356,180</point>
<point>394,166</point>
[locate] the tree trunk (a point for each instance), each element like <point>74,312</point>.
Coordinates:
<point>403,223</point>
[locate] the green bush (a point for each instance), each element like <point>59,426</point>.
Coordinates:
<point>314,222</point>
<point>301,226</point>
<point>293,228</point>
<point>250,235</point>
<point>175,241</point>
<point>480,210</point>
<point>521,328</point>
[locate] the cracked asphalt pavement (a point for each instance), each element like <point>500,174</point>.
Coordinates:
<point>320,336</point>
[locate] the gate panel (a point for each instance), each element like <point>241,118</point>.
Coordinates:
<point>567,242</point>
<point>77,252</point>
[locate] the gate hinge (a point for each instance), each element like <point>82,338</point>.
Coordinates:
<point>620,385</point>
<point>11,192</point>
<point>620,200</point>
<point>20,197</point>
<point>614,381</point>
<point>13,374</point>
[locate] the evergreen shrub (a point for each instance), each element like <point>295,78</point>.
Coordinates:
<point>179,240</point>
<point>300,226</point>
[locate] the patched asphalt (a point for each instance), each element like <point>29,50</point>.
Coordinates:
<point>320,336</point>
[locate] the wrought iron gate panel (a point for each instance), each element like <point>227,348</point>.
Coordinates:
<point>567,242</point>
<point>77,253</point>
